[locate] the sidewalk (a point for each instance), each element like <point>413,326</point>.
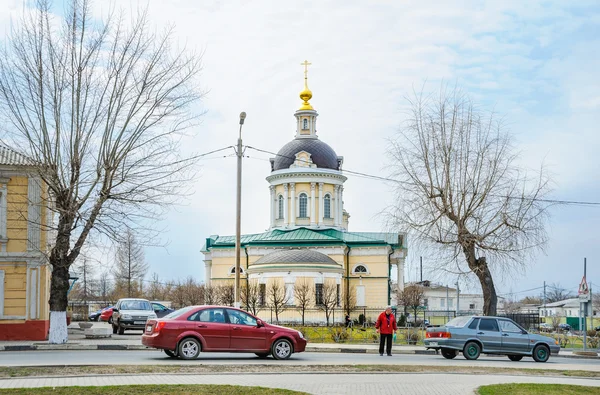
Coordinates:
<point>78,341</point>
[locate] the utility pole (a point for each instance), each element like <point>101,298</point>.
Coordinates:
<point>544,300</point>
<point>421,259</point>
<point>238,217</point>
<point>584,304</point>
<point>447,300</point>
<point>457,298</point>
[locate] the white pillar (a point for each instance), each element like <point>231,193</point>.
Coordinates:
<point>293,204</point>
<point>285,205</point>
<point>400,274</point>
<point>273,205</point>
<point>341,205</point>
<point>312,204</point>
<point>321,204</point>
<point>335,203</point>
<point>207,272</point>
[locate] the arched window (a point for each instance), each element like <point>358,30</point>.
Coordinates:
<point>232,270</point>
<point>327,208</point>
<point>303,202</point>
<point>280,207</point>
<point>305,124</point>
<point>360,269</point>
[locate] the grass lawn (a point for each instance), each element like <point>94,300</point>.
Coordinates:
<point>153,389</point>
<point>535,389</point>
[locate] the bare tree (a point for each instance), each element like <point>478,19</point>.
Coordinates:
<point>86,285</point>
<point>531,300</point>
<point>350,299</point>
<point>277,297</point>
<point>99,109</point>
<point>226,294</point>
<point>178,294</point>
<point>461,193</point>
<point>194,292</point>
<point>130,263</point>
<point>211,295</point>
<point>155,288</point>
<point>104,286</point>
<point>250,296</point>
<point>556,293</point>
<point>304,292</point>
<point>330,299</point>
<point>411,298</point>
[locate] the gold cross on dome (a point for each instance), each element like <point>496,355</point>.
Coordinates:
<point>305,64</point>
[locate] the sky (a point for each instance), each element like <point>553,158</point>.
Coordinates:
<point>534,63</point>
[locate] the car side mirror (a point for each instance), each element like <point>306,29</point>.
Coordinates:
<point>115,310</point>
<point>259,324</point>
<point>524,332</point>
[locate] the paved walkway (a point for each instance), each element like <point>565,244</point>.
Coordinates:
<point>383,384</point>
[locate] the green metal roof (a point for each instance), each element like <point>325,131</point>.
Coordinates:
<point>302,236</point>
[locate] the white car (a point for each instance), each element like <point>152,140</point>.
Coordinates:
<point>131,313</point>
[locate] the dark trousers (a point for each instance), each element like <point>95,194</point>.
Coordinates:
<point>382,341</point>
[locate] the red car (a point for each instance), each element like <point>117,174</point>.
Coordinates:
<point>191,330</point>
<point>106,314</point>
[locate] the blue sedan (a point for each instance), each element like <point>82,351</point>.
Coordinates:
<point>474,335</point>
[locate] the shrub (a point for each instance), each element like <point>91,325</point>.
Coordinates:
<point>412,337</point>
<point>593,342</point>
<point>338,334</point>
<point>593,333</point>
<point>402,321</point>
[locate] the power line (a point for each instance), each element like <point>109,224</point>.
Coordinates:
<point>387,179</point>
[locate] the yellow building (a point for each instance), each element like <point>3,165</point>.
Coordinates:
<point>24,273</point>
<point>308,241</point>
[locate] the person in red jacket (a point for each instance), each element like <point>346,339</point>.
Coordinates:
<point>386,326</point>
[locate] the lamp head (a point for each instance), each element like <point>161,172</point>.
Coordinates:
<point>242,117</point>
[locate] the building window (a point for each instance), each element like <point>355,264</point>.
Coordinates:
<point>318,294</point>
<point>472,306</point>
<point>303,202</point>
<point>305,124</point>
<point>232,270</point>
<point>443,303</point>
<point>280,207</point>
<point>262,294</point>
<point>360,269</point>
<point>450,303</point>
<point>327,208</point>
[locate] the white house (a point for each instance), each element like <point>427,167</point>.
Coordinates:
<point>562,308</point>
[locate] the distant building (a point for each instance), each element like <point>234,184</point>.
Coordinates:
<point>440,298</point>
<point>562,308</point>
<point>24,271</point>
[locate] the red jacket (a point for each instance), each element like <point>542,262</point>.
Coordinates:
<point>385,326</point>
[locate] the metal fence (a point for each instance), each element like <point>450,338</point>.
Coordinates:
<point>316,317</point>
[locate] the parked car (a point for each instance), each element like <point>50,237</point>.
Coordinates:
<point>95,316</point>
<point>161,310</point>
<point>564,327</point>
<point>545,327</point>
<point>188,331</point>
<point>106,314</point>
<point>131,313</point>
<point>474,335</point>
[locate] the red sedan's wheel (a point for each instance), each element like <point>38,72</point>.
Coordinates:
<point>189,348</point>
<point>282,349</point>
<point>110,320</point>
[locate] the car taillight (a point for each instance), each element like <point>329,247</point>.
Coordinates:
<point>159,325</point>
<point>443,335</point>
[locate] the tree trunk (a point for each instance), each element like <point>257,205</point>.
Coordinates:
<point>58,305</point>
<point>480,268</point>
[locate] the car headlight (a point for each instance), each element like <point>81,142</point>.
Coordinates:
<point>301,335</point>
<point>126,316</point>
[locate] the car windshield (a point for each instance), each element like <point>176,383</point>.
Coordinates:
<point>178,313</point>
<point>459,322</point>
<point>136,305</point>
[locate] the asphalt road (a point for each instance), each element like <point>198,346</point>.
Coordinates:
<point>154,357</point>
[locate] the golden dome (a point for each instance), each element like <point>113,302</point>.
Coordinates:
<point>306,94</point>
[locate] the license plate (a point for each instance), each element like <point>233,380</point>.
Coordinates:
<point>139,322</point>
<point>149,328</point>
<point>433,344</point>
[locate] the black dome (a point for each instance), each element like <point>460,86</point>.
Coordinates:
<point>321,154</point>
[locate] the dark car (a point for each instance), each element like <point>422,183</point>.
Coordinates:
<point>564,327</point>
<point>187,332</point>
<point>95,316</point>
<point>161,310</point>
<point>473,336</point>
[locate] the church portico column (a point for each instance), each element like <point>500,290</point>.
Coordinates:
<point>285,205</point>
<point>321,204</point>
<point>312,204</point>
<point>273,205</point>
<point>340,205</point>
<point>335,201</point>
<point>293,204</point>
<point>207,272</point>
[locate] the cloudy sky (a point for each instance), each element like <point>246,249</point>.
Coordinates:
<point>535,62</point>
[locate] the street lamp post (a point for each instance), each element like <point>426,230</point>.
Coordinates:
<point>238,216</point>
